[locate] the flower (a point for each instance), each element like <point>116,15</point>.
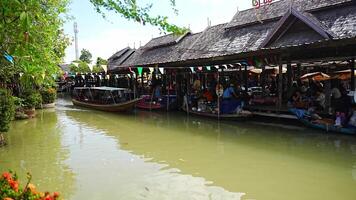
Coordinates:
<point>55,195</point>
<point>7,176</point>
<point>14,185</point>
<point>32,188</point>
<point>7,198</point>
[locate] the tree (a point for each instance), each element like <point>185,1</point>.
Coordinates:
<point>98,66</point>
<point>31,32</point>
<point>85,56</point>
<point>130,10</point>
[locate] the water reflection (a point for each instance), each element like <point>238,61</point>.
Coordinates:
<point>265,162</point>
<point>35,146</point>
<point>148,155</point>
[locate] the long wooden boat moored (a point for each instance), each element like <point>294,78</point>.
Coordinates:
<point>104,99</point>
<point>146,103</point>
<point>317,124</point>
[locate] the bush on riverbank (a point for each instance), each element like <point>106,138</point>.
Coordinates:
<point>10,189</point>
<point>7,110</point>
<point>32,99</point>
<point>49,95</point>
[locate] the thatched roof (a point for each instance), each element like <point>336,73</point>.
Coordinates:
<point>306,22</point>
<point>164,54</point>
<point>277,9</point>
<point>165,40</point>
<point>119,58</point>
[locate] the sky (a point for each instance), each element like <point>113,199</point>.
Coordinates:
<point>103,37</point>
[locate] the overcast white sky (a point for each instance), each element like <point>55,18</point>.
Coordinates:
<point>104,37</point>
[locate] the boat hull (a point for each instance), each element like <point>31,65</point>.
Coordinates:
<point>145,104</point>
<point>325,127</point>
<point>328,128</point>
<point>122,107</point>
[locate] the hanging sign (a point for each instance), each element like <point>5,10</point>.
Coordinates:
<point>140,69</point>
<point>258,3</point>
<point>208,68</point>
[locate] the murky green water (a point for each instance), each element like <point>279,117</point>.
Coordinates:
<point>87,154</point>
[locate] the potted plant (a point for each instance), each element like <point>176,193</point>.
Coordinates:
<point>7,110</point>
<point>19,108</point>
<point>32,100</point>
<point>49,96</point>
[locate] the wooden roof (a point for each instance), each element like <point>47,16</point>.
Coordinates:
<point>119,58</point>
<point>305,23</point>
<point>278,9</point>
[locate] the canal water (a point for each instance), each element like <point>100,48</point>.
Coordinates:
<point>87,154</point>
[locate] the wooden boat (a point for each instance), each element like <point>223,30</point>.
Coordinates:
<point>146,103</point>
<point>317,124</point>
<point>104,98</point>
<point>243,115</point>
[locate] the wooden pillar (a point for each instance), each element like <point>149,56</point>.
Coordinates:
<point>218,95</point>
<point>299,71</point>
<point>142,84</point>
<point>263,79</point>
<point>246,79</point>
<point>352,74</point>
<point>280,85</point>
<point>169,84</point>
<point>289,75</point>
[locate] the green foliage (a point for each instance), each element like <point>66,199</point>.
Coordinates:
<point>32,99</point>
<point>85,56</point>
<point>82,67</point>
<point>49,95</point>
<point>7,109</point>
<point>18,102</point>
<point>130,10</point>
<point>31,32</point>
<point>99,61</point>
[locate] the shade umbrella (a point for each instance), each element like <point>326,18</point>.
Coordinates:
<point>343,75</point>
<point>317,76</point>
